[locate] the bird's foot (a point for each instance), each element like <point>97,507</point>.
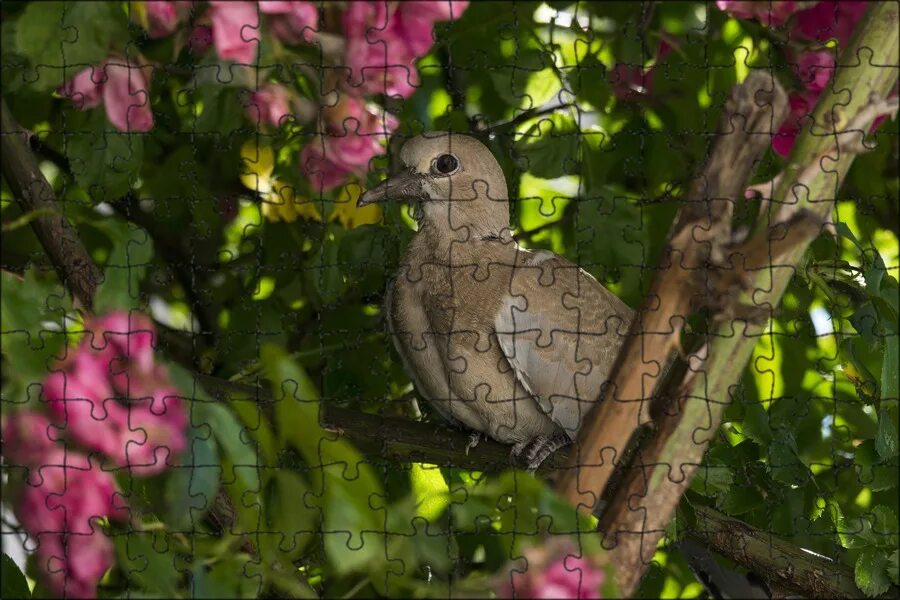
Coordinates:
<point>474,439</point>
<point>534,452</point>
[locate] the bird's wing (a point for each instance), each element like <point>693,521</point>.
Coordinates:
<point>560,330</point>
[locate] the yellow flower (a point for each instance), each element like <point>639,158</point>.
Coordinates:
<point>348,214</point>
<point>258,163</point>
<point>279,202</point>
<point>282,204</point>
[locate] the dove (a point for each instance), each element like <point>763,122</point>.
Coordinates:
<point>500,340</point>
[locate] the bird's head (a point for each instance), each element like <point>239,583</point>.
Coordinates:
<point>454,177</point>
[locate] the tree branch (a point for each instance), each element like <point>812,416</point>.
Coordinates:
<point>749,276</point>
<point>755,110</point>
<point>34,194</point>
<point>776,561</point>
<point>399,440</point>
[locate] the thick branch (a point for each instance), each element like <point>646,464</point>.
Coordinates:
<point>34,193</point>
<point>765,262</point>
<point>749,119</point>
<point>780,563</point>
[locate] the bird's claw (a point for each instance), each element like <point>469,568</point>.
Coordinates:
<point>474,439</point>
<point>536,451</point>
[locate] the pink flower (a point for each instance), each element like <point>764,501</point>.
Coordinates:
<point>271,104</point>
<point>771,14</point>
<point>82,404</point>
<point>27,435</point>
<point>58,509</point>
<point>85,89</point>
<point>235,27</point>
<point>126,337</point>
<point>630,82</point>
<point>314,164</point>
<point>153,435</point>
<point>162,17</point>
<point>554,573</point>
<point>416,19</point>
<point>200,40</point>
<point>126,97</point>
<point>143,434</point>
<point>814,69</point>
<point>829,20</point>
<point>291,22</point>
<point>802,105</point>
<point>379,60</point>
<point>351,139</point>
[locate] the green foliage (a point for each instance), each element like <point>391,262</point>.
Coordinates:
<point>809,448</point>
<point>13,581</point>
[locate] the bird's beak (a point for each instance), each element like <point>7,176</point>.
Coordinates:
<point>406,185</point>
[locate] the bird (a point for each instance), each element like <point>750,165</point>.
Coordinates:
<point>500,340</point>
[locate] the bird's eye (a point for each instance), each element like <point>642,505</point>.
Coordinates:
<point>445,164</point>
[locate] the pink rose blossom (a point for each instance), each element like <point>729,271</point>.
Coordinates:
<point>59,508</point>
<point>128,336</point>
<point>162,17</point>
<point>200,40</point>
<point>415,21</point>
<point>153,435</point>
<point>271,105</point>
<point>829,20</point>
<point>379,61</point>
<point>85,89</point>
<point>554,573</point>
<point>291,22</point>
<point>235,27</point>
<point>126,97</point>
<point>314,164</point>
<point>27,434</point>
<point>631,82</point>
<point>353,131</point>
<point>771,14</point>
<point>814,69</point>
<point>82,403</point>
<point>73,564</point>
<point>384,40</point>
<point>145,433</point>
<point>802,106</point>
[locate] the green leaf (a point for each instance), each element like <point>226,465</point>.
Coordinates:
<point>324,271</point>
<point>220,113</point>
<point>590,82</point>
<point>346,483</point>
<point>12,580</point>
<point>756,424</point>
<point>62,38</point>
<point>784,463</point>
<point>886,443</point>
<point>890,368</point>
<point>551,146</point>
<point>191,488</point>
<point>32,312</point>
<point>296,401</point>
<point>105,161</point>
<point>148,561</point>
<point>871,572</point>
<point>893,567</point>
<point>233,441</point>
<point>288,515</point>
<point>131,254</point>
<point>366,252</point>
<point>884,527</point>
<point>874,471</point>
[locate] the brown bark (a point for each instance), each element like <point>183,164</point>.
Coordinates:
<point>753,113</point>
<point>34,194</point>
